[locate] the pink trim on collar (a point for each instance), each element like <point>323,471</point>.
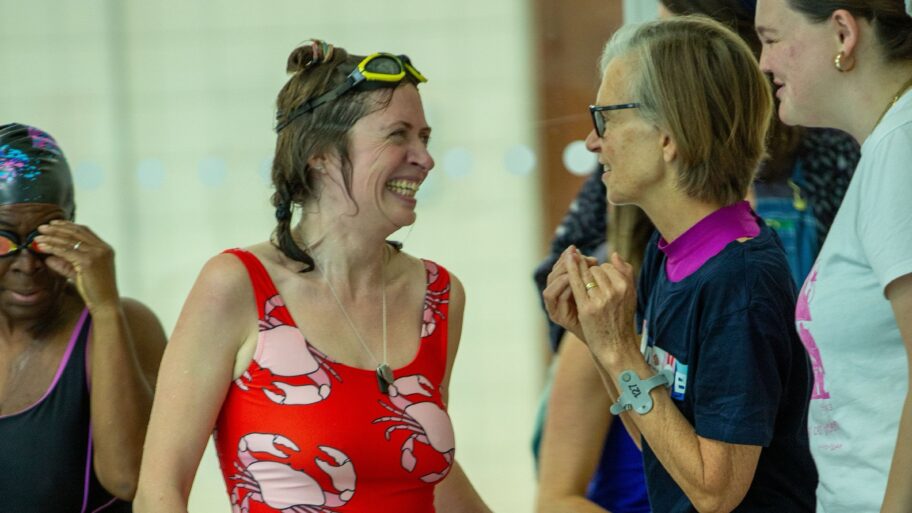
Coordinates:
<point>707,239</point>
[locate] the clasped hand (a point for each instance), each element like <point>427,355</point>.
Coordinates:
<point>597,303</point>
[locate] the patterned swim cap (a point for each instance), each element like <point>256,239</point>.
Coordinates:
<point>33,169</point>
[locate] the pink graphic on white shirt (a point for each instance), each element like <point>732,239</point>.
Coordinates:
<point>803,321</point>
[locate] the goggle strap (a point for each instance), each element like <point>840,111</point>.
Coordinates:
<point>313,103</point>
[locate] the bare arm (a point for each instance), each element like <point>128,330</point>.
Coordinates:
<point>125,348</point>
<point>455,493</point>
<point>197,369</point>
<point>898,496</point>
<point>575,429</point>
<point>561,307</point>
<point>124,355</point>
<point>714,475</point>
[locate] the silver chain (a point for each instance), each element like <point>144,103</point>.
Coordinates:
<point>348,319</point>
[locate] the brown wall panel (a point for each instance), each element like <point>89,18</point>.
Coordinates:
<point>569,36</point>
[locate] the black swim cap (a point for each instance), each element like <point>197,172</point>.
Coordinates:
<point>33,169</point>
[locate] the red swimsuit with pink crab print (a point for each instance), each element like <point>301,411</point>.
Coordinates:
<point>301,433</point>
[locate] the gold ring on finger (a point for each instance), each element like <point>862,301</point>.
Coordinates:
<point>591,285</point>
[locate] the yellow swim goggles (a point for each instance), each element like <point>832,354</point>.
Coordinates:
<point>375,71</point>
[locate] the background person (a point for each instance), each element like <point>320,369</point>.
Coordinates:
<point>77,361</point>
<point>848,65</point>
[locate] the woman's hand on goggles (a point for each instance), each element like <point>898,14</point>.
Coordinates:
<point>76,252</point>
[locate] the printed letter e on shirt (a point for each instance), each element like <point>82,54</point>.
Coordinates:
<point>660,360</point>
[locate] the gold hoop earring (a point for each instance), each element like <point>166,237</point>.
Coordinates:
<point>839,64</point>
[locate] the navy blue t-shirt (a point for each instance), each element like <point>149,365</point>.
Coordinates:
<point>742,375</point>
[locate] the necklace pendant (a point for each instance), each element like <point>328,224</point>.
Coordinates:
<point>384,378</point>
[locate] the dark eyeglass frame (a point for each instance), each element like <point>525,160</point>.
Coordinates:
<point>598,121</point>
<point>360,75</point>
<point>21,245</point>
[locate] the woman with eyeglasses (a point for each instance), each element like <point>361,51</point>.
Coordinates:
<point>320,359</point>
<point>798,189</point>
<point>77,361</point>
<point>848,64</point>
<point>711,379</point>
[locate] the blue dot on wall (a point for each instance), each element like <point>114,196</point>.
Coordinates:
<point>212,172</point>
<point>519,160</point>
<point>457,162</point>
<point>151,173</point>
<point>88,175</point>
<point>578,160</point>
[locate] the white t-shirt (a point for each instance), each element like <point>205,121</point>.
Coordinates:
<point>848,326</point>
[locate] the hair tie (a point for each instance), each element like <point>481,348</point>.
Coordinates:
<point>321,52</point>
<point>283,212</point>
<point>327,51</point>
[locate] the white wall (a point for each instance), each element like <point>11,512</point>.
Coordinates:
<point>164,109</point>
<point>638,11</point>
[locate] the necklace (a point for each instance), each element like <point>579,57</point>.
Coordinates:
<point>905,87</point>
<point>385,376</point>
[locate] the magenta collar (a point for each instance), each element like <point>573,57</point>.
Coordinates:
<point>707,239</point>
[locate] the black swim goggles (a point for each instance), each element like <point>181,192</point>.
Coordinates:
<point>374,71</point>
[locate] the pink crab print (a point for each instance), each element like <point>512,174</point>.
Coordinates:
<point>282,487</point>
<point>424,421</point>
<point>432,301</point>
<point>286,354</point>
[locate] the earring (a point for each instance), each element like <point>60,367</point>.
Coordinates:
<point>842,67</point>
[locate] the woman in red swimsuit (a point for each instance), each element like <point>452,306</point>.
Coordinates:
<point>320,359</point>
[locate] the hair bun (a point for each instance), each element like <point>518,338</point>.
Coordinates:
<point>312,53</point>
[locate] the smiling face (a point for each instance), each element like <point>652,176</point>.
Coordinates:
<point>630,151</point>
<point>28,289</point>
<point>799,56</point>
<point>390,159</point>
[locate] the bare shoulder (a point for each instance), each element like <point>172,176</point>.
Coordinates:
<point>221,299</point>
<point>281,269</point>
<point>138,314</point>
<point>403,263</point>
<point>219,314</point>
<point>224,278</point>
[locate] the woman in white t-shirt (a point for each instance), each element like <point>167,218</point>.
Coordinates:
<point>848,64</point>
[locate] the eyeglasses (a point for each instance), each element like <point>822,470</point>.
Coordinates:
<point>10,245</point>
<point>374,71</point>
<point>598,120</point>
